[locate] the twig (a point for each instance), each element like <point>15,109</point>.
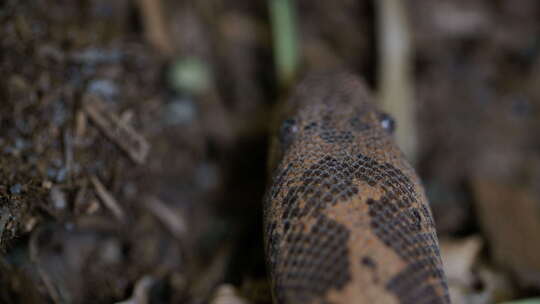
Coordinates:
<point>80,124</point>
<point>68,152</point>
<point>156,33</point>
<point>116,129</point>
<point>108,200</point>
<point>47,281</point>
<point>284,36</point>
<point>171,219</point>
<point>395,83</point>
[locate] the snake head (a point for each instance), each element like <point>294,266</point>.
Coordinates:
<point>331,112</point>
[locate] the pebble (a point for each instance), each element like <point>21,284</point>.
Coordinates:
<point>15,189</point>
<point>179,111</point>
<point>104,88</point>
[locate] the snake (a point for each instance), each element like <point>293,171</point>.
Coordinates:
<point>346,218</point>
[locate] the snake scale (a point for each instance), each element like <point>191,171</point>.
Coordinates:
<point>346,219</point>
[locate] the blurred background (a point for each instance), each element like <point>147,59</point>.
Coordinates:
<point>133,138</point>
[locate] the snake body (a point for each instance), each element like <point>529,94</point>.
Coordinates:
<point>346,219</point>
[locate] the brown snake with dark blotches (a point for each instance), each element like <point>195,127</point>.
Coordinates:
<point>346,219</point>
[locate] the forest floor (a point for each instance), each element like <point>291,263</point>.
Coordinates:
<point>133,142</point>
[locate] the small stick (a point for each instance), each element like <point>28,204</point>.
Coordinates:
<point>285,41</point>
<point>171,219</point>
<point>47,281</point>
<point>122,134</point>
<point>155,28</point>
<point>68,152</point>
<point>395,81</point>
<point>108,199</point>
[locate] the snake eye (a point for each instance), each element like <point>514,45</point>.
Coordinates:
<point>287,131</point>
<point>387,122</point>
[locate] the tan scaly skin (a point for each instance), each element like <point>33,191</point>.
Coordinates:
<point>346,219</point>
